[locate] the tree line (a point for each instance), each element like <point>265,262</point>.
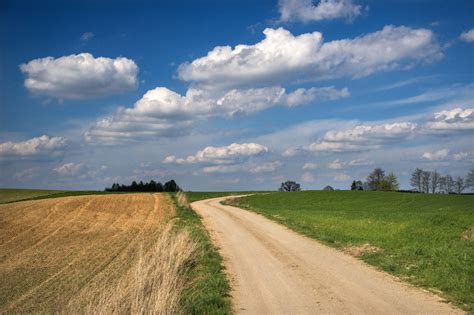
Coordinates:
<point>152,186</point>
<point>377,180</point>
<point>433,182</point>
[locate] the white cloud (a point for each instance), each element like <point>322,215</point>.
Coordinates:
<point>308,177</point>
<point>310,166</point>
<point>306,11</point>
<point>341,177</point>
<point>453,119</point>
<point>162,112</point>
<point>34,147</point>
<point>468,36</point>
<point>360,162</point>
<point>362,137</point>
<point>281,56</point>
<point>87,36</point>
<point>220,155</point>
<point>436,156</point>
<point>80,76</point>
<point>265,167</point>
<point>335,165</point>
<point>69,168</point>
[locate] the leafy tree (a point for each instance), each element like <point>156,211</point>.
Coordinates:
<point>171,186</point>
<point>357,185</point>
<point>375,180</point>
<point>159,187</point>
<point>391,182</point>
<point>416,179</point>
<point>289,186</point>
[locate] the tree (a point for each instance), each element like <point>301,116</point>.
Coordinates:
<point>289,186</point>
<point>159,187</point>
<point>416,179</point>
<point>434,181</point>
<point>134,186</point>
<point>376,178</point>
<point>459,184</point>
<point>171,186</point>
<point>328,188</point>
<point>425,182</point>
<point>391,182</point>
<point>470,179</point>
<point>449,185</point>
<point>357,185</point>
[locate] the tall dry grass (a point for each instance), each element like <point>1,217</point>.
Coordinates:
<point>155,282</point>
<point>182,199</point>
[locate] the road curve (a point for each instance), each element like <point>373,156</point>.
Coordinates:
<point>274,270</point>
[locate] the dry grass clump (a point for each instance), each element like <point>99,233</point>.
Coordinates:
<point>182,199</point>
<point>468,234</point>
<point>155,283</point>
<point>359,250</point>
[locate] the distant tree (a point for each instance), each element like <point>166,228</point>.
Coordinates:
<point>470,179</point>
<point>171,186</point>
<point>416,179</point>
<point>434,181</point>
<point>442,184</point>
<point>391,182</point>
<point>449,184</point>
<point>328,188</point>
<point>459,184</point>
<point>375,179</point>
<point>159,187</point>
<point>357,185</point>
<point>289,186</point>
<point>425,182</point>
<point>134,186</point>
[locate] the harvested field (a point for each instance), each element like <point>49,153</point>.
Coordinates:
<point>58,254</point>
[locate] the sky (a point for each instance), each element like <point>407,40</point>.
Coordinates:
<point>233,95</point>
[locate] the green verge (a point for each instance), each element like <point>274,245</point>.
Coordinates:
<point>208,290</point>
<point>201,195</point>
<point>426,240</point>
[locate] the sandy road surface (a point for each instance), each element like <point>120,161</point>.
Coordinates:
<point>276,271</point>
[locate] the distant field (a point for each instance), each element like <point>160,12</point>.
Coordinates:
<point>198,195</point>
<point>425,239</point>
<point>59,253</point>
<point>9,195</point>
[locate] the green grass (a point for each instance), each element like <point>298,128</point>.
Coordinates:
<point>209,288</point>
<point>11,194</point>
<point>426,239</point>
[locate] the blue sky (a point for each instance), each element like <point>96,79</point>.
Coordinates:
<point>95,92</point>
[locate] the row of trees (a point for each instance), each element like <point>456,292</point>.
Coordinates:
<point>433,182</point>
<point>152,186</point>
<point>377,180</point>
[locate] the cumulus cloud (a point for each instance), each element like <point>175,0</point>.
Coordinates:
<point>362,137</point>
<point>162,112</point>
<point>308,177</point>
<point>266,167</point>
<point>69,168</point>
<point>336,164</point>
<point>220,155</point>
<point>453,119</point>
<point>468,36</point>
<point>80,76</point>
<point>360,162</point>
<point>43,146</point>
<point>306,11</point>
<point>281,56</point>
<point>436,155</point>
<point>310,166</point>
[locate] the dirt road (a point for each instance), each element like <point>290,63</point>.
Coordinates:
<point>275,271</point>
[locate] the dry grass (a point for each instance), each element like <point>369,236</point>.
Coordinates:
<point>155,283</point>
<point>359,250</point>
<point>58,252</point>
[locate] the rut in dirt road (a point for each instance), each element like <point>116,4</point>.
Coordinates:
<point>275,270</point>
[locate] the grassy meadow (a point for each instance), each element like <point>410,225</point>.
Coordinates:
<point>10,195</point>
<point>424,239</point>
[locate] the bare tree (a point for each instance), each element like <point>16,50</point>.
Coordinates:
<point>442,184</point>
<point>459,184</point>
<point>470,179</point>
<point>449,188</point>
<point>415,180</point>
<point>425,181</point>
<point>434,181</point>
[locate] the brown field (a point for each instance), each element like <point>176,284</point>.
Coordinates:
<point>81,253</point>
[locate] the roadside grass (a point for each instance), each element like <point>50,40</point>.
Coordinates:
<point>208,290</point>
<point>12,194</point>
<point>426,240</point>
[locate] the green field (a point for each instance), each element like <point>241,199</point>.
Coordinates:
<point>10,195</point>
<point>424,239</point>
